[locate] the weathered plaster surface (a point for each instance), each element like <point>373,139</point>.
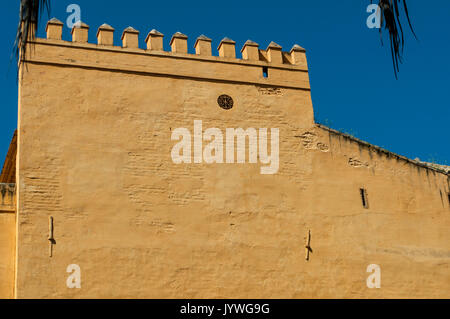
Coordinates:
<point>94,142</point>
<point>7,239</point>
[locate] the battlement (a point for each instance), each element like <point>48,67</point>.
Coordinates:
<point>179,44</point>
<point>272,66</point>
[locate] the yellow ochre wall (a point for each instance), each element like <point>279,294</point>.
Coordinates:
<point>7,239</point>
<point>94,152</point>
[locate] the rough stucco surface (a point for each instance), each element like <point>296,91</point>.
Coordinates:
<point>7,240</point>
<point>7,248</point>
<point>94,153</point>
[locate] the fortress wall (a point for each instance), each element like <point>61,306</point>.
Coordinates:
<point>7,240</point>
<point>95,126</point>
<point>404,230</point>
<point>95,145</point>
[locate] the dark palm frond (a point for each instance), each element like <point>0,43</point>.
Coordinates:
<point>30,11</point>
<point>390,19</point>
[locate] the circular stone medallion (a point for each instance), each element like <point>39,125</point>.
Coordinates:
<point>225,102</point>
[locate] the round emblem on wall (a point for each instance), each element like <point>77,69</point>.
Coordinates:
<point>225,102</point>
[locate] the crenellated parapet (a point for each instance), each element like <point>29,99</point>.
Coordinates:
<point>226,49</point>
<point>271,66</point>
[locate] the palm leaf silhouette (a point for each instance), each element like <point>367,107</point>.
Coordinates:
<point>390,19</point>
<point>30,11</point>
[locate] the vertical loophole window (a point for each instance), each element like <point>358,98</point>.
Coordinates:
<point>448,199</point>
<point>364,198</point>
<point>265,72</point>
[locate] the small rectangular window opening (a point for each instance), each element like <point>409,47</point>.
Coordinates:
<point>265,72</point>
<point>448,199</point>
<point>364,199</point>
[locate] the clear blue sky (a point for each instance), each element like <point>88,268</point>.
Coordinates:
<point>353,86</point>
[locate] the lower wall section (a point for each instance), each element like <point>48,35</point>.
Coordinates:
<point>7,252</point>
<point>96,175</point>
<point>132,224</point>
